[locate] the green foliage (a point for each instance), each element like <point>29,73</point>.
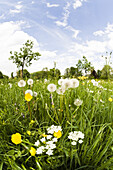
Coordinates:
<point>25,56</point>
<point>106,72</point>
<point>84,64</point>
<point>45,74</point>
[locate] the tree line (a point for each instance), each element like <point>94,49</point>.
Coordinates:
<point>83,67</point>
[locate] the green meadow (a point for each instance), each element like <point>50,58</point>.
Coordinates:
<point>65,124</point>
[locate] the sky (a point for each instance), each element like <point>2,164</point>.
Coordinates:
<point>63,31</point>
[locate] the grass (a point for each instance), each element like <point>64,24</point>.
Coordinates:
<point>94,118</point>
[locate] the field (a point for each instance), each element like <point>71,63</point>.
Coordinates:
<point>56,124</point>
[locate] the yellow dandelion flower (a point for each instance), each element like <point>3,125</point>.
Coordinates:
<point>110,99</point>
<point>28,97</point>
<point>32,151</point>
<point>58,134</point>
<point>16,138</point>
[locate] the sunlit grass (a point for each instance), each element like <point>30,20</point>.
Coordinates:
<point>93,116</point>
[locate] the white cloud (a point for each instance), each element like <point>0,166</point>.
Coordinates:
<point>99,33</point>
<point>76,32</point>
<point>64,19</point>
<point>108,29</point>
<point>52,5</point>
<point>12,39</point>
<point>17,8</point>
<point>78,3</point>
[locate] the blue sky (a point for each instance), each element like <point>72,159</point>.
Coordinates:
<point>63,31</point>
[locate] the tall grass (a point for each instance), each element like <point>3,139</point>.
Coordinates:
<point>94,118</point>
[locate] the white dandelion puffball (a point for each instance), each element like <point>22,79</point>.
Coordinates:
<point>60,90</point>
<point>51,87</point>
<point>29,91</point>
<point>75,83</point>
<point>30,81</point>
<point>21,83</point>
<point>78,102</point>
<point>67,84</point>
<point>60,81</point>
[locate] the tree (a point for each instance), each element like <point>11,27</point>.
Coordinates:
<point>106,71</point>
<point>25,56</point>
<point>84,64</point>
<point>25,73</point>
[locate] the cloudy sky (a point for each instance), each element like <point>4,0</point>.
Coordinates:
<point>63,31</point>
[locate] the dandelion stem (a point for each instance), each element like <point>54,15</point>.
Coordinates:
<point>29,110</point>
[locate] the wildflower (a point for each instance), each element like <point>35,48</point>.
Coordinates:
<point>67,84</point>
<point>32,151</point>
<point>110,99</point>
<point>78,102</point>
<point>37,143</point>
<point>80,141</point>
<point>28,95</point>
<point>49,152</point>
<point>75,83</point>
<point>29,91</point>
<point>54,139</point>
<point>60,81</point>
<point>40,150</point>
<point>58,134</point>
<point>30,81</point>
<point>43,140</point>
<point>49,136</point>
<point>44,135</point>
<point>21,83</point>
<point>60,90</point>
<point>76,135</point>
<point>73,143</point>
<point>16,138</point>
<point>53,129</point>
<point>28,132</point>
<point>51,87</point>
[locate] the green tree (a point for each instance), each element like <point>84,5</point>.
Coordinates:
<point>25,56</point>
<point>106,71</point>
<point>84,64</point>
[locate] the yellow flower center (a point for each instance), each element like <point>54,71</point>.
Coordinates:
<point>28,97</point>
<point>16,138</point>
<point>58,134</point>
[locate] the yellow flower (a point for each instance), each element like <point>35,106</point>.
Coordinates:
<point>32,151</point>
<point>58,134</point>
<point>44,135</point>
<point>110,99</point>
<point>32,121</point>
<point>28,97</point>
<point>16,138</point>
<point>28,132</point>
